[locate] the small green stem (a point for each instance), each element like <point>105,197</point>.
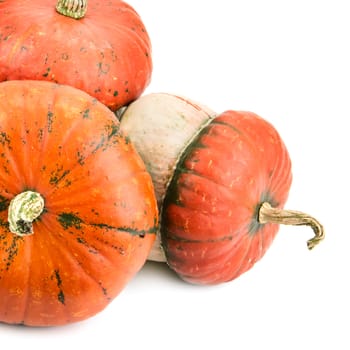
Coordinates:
<point>72,8</point>
<point>23,210</point>
<point>267,214</point>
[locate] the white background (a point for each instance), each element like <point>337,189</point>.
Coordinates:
<point>287,61</point>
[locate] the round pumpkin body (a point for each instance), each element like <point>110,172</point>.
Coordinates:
<point>107,53</point>
<point>99,214</point>
<point>210,226</point>
<point>230,165</point>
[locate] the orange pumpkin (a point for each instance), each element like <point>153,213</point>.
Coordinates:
<point>78,214</point>
<point>221,183</point>
<point>102,48</point>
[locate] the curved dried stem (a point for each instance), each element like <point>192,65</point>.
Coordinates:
<point>268,214</point>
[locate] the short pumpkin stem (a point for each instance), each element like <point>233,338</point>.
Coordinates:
<point>23,210</point>
<point>72,8</point>
<point>267,214</point>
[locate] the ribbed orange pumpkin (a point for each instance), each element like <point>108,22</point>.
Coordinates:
<point>103,49</point>
<point>78,214</point>
<point>222,187</point>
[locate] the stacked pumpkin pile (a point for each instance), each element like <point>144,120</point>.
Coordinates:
<point>86,198</point>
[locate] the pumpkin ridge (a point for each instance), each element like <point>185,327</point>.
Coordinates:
<point>71,239</point>
<point>242,266</point>
<point>101,51</point>
<point>75,125</point>
<point>208,270</point>
<point>261,244</point>
<point>29,286</point>
<point>109,135</point>
<point>65,244</point>
<point>280,178</point>
<point>42,140</point>
<point>244,135</point>
<point>142,43</point>
<point>89,275</point>
<point>11,159</point>
<point>183,153</point>
<point>179,164</point>
<point>9,156</point>
<point>194,143</point>
<point>173,185</point>
<point>27,246</point>
<point>271,186</point>
<point>183,171</point>
<point>55,203</point>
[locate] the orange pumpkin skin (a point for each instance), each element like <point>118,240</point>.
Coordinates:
<point>107,53</point>
<point>100,214</point>
<point>209,226</point>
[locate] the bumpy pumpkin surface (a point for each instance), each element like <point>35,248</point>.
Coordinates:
<point>106,53</point>
<point>210,226</point>
<point>99,214</point>
<point>221,185</point>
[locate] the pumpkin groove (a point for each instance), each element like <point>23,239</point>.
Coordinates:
<point>100,215</point>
